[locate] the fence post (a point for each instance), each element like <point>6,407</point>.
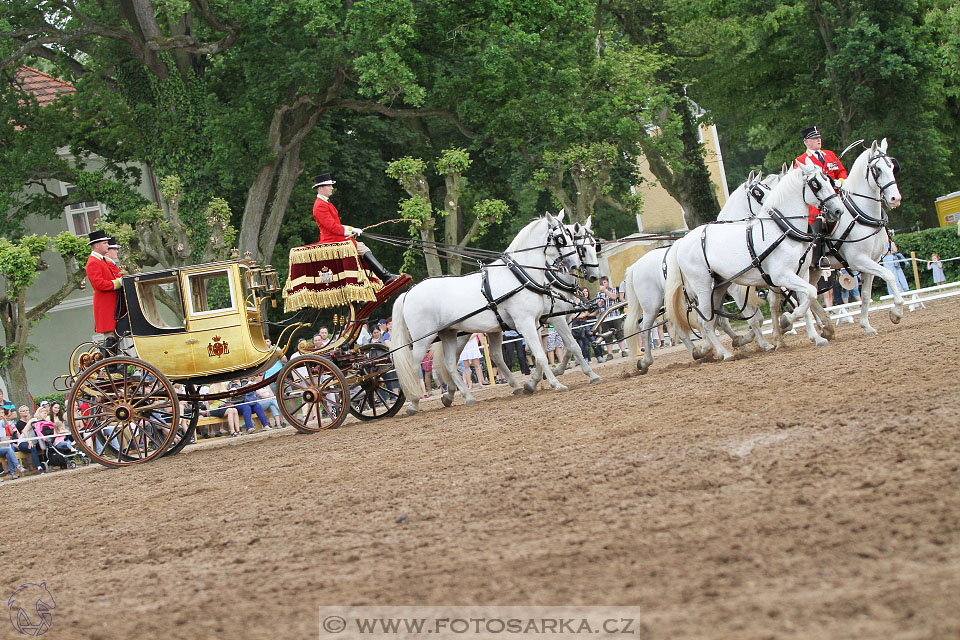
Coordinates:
<point>486,357</point>
<point>916,273</point>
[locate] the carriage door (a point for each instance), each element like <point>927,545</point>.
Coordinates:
<point>214,315</point>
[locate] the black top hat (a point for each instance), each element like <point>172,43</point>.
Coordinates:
<point>810,132</point>
<point>113,244</point>
<point>322,179</point>
<point>97,236</point>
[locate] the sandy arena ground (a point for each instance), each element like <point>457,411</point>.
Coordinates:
<point>804,493</point>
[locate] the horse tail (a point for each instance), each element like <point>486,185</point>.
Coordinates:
<point>673,294</point>
<point>437,349</point>
<point>408,371</point>
<point>632,321</point>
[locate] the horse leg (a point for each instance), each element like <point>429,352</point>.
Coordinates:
<point>823,318</point>
<point>776,301</point>
<point>646,359</point>
<point>739,295</point>
<point>528,329</point>
<point>874,269</point>
<point>451,351</point>
<point>572,348</point>
<point>811,326</point>
<point>495,344</point>
<point>866,292</point>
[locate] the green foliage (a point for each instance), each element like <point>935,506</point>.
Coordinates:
<point>453,160</point>
<point>490,212</point>
<point>67,244</point>
<point>943,241</point>
<point>417,210</point>
<point>60,397</point>
<point>20,262</point>
<point>405,168</point>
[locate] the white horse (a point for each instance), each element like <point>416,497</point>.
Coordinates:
<point>565,299</point>
<point>767,250</point>
<point>860,237</point>
<point>646,280</point>
<point>510,290</point>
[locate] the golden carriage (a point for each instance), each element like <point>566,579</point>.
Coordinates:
<point>188,327</point>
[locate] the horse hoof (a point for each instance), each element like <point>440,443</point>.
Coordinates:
<point>446,400</point>
<point>412,411</point>
<point>595,380</point>
<point>828,331</point>
<point>470,401</point>
<point>870,331</point>
<point>728,356</point>
<point>529,388</point>
<point>785,323</point>
<point>560,387</point>
<point>519,391</point>
<point>895,317</point>
<point>741,341</point>
<point>820,342</point>
<point>697,353</point>
<point>768,347</point>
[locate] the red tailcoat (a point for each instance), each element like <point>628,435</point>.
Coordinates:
<point>328,219</point>
<point>106,289</point>
<point>831,166</point>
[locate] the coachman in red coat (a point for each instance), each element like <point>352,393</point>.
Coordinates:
<point>104,277</point>
<point>332,230</point>
<point>831,165</point>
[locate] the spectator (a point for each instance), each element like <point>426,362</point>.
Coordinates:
<point>471,356</point>
<point>611,329</point>
<point>247,404</point>
<point>8,444</point>
<point>222,409</point>
<point>385,336</point>
<point>268,401</point>
<point>376,336</point>
<point>6,405</point>
<point>513,347</point>
<point>364,337</point>
<point>553,345</point>
<point>29,441</point>
<point>939,277</point>
<point>428,375</point>
<point>56,415</point>
<point>322,338</point>
<point>892,262</point>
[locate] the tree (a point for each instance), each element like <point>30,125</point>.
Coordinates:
<point>423,216</point>
<point>20,262</point>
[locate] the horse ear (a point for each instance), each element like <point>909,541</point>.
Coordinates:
<point>873,147</point>
<point>808,166</point>
<point>550,218</point>
<point>586,225</point>
<point>751,177</point>
<point>560,215</point>
<point>883,145</point>
<point>784,168</point>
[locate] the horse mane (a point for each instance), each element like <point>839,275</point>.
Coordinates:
<point>859,168</point>
<point>520,241</point>
<point>786,185</point>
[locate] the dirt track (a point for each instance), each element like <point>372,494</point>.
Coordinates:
<point>805,493</point>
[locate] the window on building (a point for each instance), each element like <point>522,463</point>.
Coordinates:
<point>82,215</point>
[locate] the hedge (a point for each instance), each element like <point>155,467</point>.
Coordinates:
<point>944,241</point>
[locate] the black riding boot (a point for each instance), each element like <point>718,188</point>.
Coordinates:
<point>378,269</point>
<point>819,260</point>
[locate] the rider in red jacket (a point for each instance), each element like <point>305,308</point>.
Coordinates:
<point>831,165</point>
<point>331,230</point>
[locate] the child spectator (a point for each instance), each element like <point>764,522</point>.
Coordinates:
<point>268,401</point>
<point>939,277</point>
<point>29,441</point>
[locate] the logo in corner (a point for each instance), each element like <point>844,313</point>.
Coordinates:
<point>30,608</point>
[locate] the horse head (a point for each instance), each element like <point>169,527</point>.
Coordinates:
<point>560,250</point>
<point>588,248</point>
<point>818,191</point>
<point>884,170</point>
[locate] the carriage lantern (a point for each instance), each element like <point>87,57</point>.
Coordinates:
<point>269,279</point>
<point>255,279</point>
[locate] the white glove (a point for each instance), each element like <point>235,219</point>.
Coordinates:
<point>351,231</point>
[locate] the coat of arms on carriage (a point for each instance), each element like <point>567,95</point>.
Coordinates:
<point>326,275</point>
<point>218,348</point>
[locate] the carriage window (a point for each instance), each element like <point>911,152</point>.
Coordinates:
<point>160,302</point>
<point>210,291</point>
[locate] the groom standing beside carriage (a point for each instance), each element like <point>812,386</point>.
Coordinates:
<point>830,164</point>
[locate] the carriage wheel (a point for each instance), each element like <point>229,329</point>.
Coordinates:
<point>122,412</point>
<point>379,396</point>
<point>180,440</point>
<point>312,394</point>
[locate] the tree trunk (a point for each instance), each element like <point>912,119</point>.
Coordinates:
<point>452,223</point>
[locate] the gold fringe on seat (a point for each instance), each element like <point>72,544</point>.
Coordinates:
<point>325,276</point>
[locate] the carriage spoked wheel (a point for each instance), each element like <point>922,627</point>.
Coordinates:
<point>378,393</point>
<point>183,438</point>
<point>313,394</point>
<point>122,411</point>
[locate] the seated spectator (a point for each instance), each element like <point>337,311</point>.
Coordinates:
<point>6,405</point>
<point>29,440</point>
<point>7,444</point>
<point>376,336</point>
<point>246,404</point>
<point>268,401</point>
<point>222,409</point>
